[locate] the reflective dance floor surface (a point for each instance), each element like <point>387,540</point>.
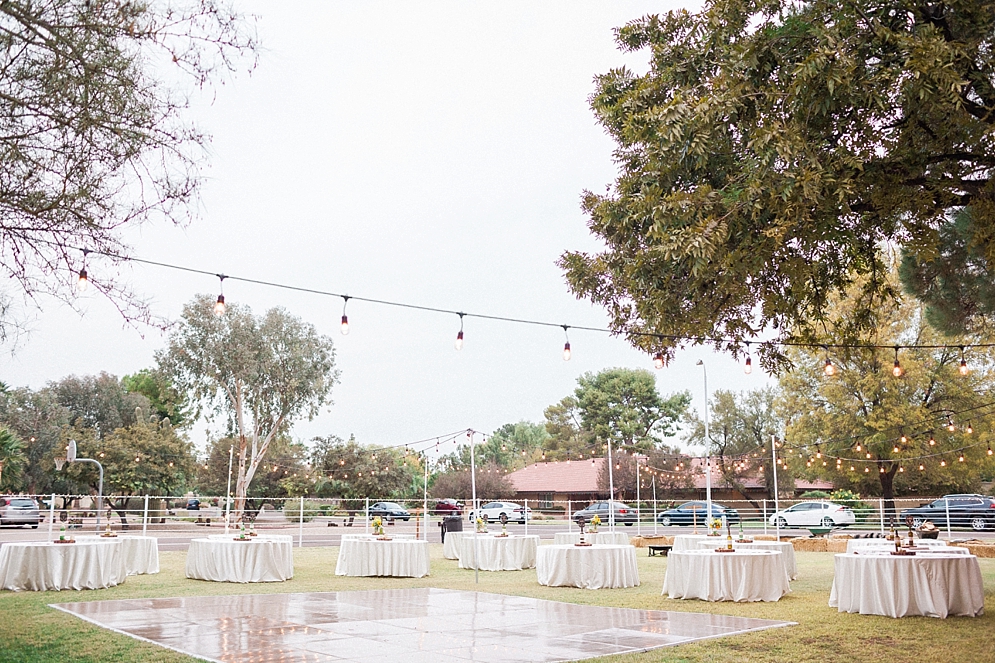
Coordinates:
<point>410,625</point>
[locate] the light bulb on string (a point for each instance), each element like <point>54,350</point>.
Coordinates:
<point>960,458</point>
<point>566,346</point>
<point>83,282</point>
<point>950,425</point>
<point>219,305</point>
<point>345,318</point>
<point>964,369</point>
<point>989,449</point>
<point>895,450</point>
<point>921,467</point>
<point>829,369</point>
<point>903,439</point>
<point>858,447</point>
<point>932,440</point>
<point>943,463</point>
<point>901,469</point>
<point>748,366</point>
<point>459,336</point>
<point>969,429</point>
<point>896,370</point>
<point>658,361</point>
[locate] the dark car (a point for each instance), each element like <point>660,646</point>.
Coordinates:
<point>690,513</point>
<point>448,507</point>
<point>389,511</point>
<point>624,514</point>
<point>974,511</point>
<point>19,511</point>
<point>193,504</point>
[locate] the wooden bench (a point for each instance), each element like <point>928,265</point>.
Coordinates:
<point>659,549</point>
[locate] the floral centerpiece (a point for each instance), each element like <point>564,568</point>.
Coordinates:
<point>378,526</point>
<point>594,524</point>
<point>481,525</point>
<point>715,527</point>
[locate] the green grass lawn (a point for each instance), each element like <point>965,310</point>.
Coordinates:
<point>31,632</point>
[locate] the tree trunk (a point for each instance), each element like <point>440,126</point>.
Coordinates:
<point>121,508</point>
<point>888,492</point>
<point>240,483</point>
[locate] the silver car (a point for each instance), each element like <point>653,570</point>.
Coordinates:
<point>19,511</point>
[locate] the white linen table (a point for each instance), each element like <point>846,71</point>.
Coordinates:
<point>589,567</point>
<point>743,575</point>
<point>784,547</point>
<point>260,559</point>
<point>43,565</point>
<point>499,553</point>
<point>139,554</point>
<point>271,537</point>
<point>684,542</point>
<point>925,550</point>
<point>403,558</point>
<point>934,585</point>
<point>857,544</point>
<point>607,538</point>
<point>451,546</point>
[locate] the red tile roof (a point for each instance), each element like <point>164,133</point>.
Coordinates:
<point>577,476</point>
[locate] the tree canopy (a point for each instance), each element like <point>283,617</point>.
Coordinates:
<point>771,149</point>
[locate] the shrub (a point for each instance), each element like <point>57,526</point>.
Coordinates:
<point>815,495</point>
<point>292,510</point>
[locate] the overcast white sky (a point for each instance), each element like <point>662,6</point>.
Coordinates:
<point>426,152</point>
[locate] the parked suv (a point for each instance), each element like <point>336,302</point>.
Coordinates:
<point>974,511</point>
<point>624,513</point>
<point>447,507</point>
<point>19,511</point>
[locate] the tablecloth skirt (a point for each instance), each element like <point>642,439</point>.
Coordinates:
<point>260,560</point>
<point>512,553</point>
<point>786,549</point>
<point>893,586</point>
<point>139,554</point>
<point>748,575</point>
<point>405,558</point>
<point>606,538</point>
<point>593,567</point>
<point>690,541</point>
<point>44,566</point>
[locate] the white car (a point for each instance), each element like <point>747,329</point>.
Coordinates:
<point>814,514</point>
<point>510,510</point>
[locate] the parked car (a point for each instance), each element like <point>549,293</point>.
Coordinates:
<point>624,513</point>
<point>510,510</point>
<point>974,511</point>
<point>447,507</point>
<point>691,513</point>
<point>814,514</point>
<point>19,511</point>
<point>389,511</point>
<point>193,504</point>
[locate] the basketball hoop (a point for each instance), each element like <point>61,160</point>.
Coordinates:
<point>59,462</point>
<point>71,451</point>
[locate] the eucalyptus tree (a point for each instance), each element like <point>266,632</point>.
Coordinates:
<point>771,148</point>
<point>93,133</point>
<point>260,373</point>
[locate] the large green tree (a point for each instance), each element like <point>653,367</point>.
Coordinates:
<point>259,373</point>
<point>349,470</point>
<point>769,151</point>
<point>38,419</point>
<point>93,133</point>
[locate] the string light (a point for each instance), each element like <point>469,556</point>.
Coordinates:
<point>950,425</point>
<point>459,336</point>
<point>921,467</point>
<point>989,449</point>
<point>969,429</point>
<point>84,282</point>
<point>219,306</point>
<point>748,366</point>
<point>345,318</point>
<point>932,440</point>
<point>566,346</point>
<point>658,361</point>
<point>964,370</point>
<point>896,370</point>
<point>904,439</point>
<point>828,368</point>
<point>943,463</point>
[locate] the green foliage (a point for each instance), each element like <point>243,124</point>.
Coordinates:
<point>492,484</point>
<point>99,402</point>
<point>12,461</point>
<point>284,459</point>
<point>771,149</point>
<point>166,402</point>
<point>292,510</point>
<point>814,495</point>
<point>567,436</point>
<point>351,471</point>
<point>513,446</point>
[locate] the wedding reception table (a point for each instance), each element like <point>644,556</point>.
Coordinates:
<point>451,546</point>
<point>785,548</point>
<point>934,585</point>
<point>406,558</point>
<point>43,565</point>
<point>856,544</point>
<point>742,575</point>
<point>606,537</point>
<point>690,541</point>
<point>139,554</point>
<point>589,567</point>
<point>260,559</point>
<point>499,553</point>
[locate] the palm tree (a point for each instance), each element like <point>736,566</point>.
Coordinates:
<point>12,459</point>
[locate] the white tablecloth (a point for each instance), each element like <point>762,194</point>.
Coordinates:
<point>272,537</point>
<point>744,575</point>
<point>690,541</point>
<point>511,553</point>
<point>407,558</point>
<point>933,585</point>
<point>139,554</point>
<point>43,565</point>
<point>615,538</point>
<point>786,549</point>
<point>590,567</point>
<point>857,544</point>
<point>226,560</point>
<point>450,547</point>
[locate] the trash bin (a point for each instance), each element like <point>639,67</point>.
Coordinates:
<point>451,524</point>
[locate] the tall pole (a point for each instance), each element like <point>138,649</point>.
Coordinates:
<point>231,455</point>
<point>638,513</point>
<point>425,497</point>
<point>476,508</point>
<point>611,489</point>
<point>773,460</point>
<point>654,503</point>
<point>708,446</point>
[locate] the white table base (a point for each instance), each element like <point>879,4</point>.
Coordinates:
<point>511,553</point>
<point>139,554</point>
<point>785,548</point>
<point>744,575</point>
<point>591,567</point>
<point>405,558</point>
<point>43,566</point>
<point>227,560</point>
<point>933,585</point>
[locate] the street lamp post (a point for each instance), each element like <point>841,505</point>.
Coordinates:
<point>708,455</point>
<point>71,458</point>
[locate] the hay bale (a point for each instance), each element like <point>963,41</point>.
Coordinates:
<point>836,546</point>
<point>810,545</point>
<point>843,537</point>
<point>764,537</point>
<point>644,541</point>
<point>979,549</point>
